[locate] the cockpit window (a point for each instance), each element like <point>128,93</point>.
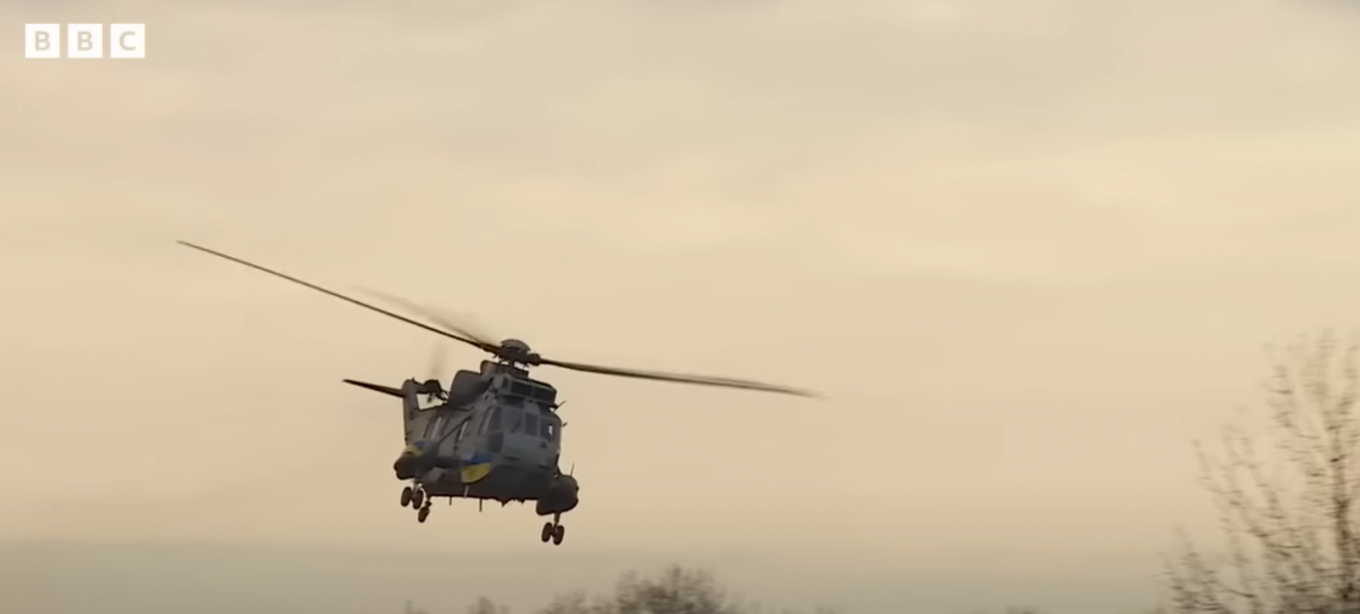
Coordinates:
<point>494,422</point>
<point>549,429</point>
<point>516,420</point>
<point>546,395</point>
<point>531,424</point>
<point>526,390</point>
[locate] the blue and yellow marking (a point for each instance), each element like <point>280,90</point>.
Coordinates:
<point>415,449</point>
<point>476,468</point>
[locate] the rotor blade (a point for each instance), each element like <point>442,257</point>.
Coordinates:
<point>702,380</point>
<point>387,390</point>
<point>342,297</point>
<point>439,317</point>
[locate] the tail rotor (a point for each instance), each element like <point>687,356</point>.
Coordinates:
<point>434,391</point>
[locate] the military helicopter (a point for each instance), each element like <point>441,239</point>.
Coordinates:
<point>495,433</point>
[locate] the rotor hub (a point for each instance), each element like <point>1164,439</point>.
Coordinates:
<point>516,351</point>
<point>515,345</point>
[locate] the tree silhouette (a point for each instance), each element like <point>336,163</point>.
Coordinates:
<point>675,591</point>
<point>1291,539</point>
<point>485,605</point>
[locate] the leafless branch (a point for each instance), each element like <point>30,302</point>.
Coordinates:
<point>1291,543</point>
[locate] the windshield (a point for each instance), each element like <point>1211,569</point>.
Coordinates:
<point>525,390</point>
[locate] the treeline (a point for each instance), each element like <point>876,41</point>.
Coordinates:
<point>676,590</point>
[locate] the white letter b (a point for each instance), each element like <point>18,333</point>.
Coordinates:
<point>42,40</point>
<point>86,40</point>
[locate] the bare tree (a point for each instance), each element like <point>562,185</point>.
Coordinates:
<point>578,603</point>
<point>486,606</point>
<point>1289,520</point>
<point>676,590</point>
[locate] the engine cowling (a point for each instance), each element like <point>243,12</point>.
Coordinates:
<point>418,458</point>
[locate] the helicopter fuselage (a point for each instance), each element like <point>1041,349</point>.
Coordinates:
<point>498,438</point>
<point>551,493</point>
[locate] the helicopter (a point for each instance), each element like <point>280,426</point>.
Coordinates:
<point>495,433</point>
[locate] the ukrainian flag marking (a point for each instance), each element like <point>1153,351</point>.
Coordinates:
<point>477,468</point>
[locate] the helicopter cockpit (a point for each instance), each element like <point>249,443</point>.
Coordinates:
<point>529,390</point>
<point>526,421</point>
<point>528,409</point>
<point>522,426</point>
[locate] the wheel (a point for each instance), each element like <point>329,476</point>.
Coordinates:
<point>422,514</point>
<point>548,532</point>
<point>418,499</point>
<point>407,496</point>
<point>558,534</point>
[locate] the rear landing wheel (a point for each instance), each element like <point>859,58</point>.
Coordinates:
<point>407,495</point>
<point>423,514</point>
<point>418,499</point>
<point>558,534</point>
<point>548,532</point>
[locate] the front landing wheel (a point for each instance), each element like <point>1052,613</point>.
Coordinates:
<point>548,532</point>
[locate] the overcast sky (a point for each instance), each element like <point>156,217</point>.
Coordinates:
<point>1029,250</point>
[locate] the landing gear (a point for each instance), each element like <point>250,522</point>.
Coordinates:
<point>417,499</point>
<point>554,531</point>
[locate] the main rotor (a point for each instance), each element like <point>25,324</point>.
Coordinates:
<point>511,352</point>
<point>517,353</point>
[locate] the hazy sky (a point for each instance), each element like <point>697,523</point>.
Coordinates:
<point>1029,249</point>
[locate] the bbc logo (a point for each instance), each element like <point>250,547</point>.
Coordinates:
<point>84,40</point>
